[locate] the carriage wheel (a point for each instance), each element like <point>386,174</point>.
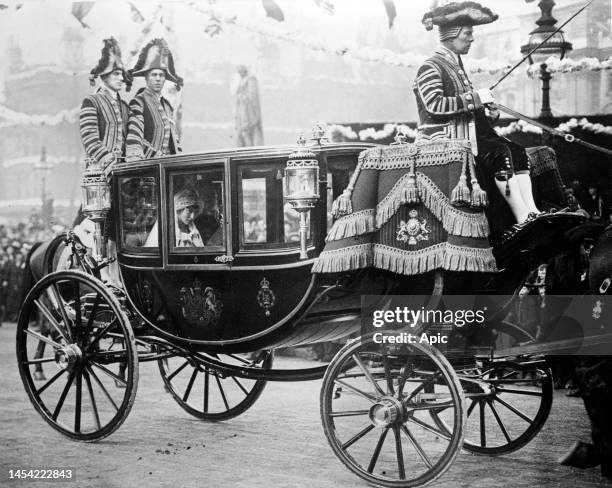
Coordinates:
<point>374,408</point>
<point>208,394</point>
<point>508,401</point>
<point>87,337</point>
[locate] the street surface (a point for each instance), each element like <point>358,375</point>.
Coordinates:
<point>279,442</point>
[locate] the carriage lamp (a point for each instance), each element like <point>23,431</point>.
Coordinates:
<point>301,188</point>
<point>96,202</point>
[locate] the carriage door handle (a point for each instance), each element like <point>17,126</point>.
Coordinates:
<point>224,259</point>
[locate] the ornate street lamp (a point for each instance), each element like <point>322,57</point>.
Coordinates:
<point>556,45</point>
<point>301,188</point>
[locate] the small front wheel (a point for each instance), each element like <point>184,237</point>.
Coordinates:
<point>375,408</point>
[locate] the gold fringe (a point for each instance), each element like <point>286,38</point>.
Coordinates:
<point>426,153</point>
<point>445,256</point>
<point>345,259</point>
<point>454,221</point>
<point>352,225</point>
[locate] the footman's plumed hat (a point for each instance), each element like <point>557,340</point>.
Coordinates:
<point>157,55</point>
<point>110,60</point>
<point>452,17</point>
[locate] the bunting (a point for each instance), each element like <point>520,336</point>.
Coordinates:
<point>391,11</point>
<point>273,10</point>
<point>80,11</point>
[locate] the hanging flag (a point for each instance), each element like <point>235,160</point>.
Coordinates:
<point>326,5</point>
<point>391,12</point>
<point>80,10</point>
<point>273,10</point>
<point>136,15</point>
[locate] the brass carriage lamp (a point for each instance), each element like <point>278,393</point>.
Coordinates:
<point>301,188</point>
<point>96,202</point>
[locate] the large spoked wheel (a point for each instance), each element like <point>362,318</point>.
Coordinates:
<point>375,406</point>
<point>89,339</point>
<point>508,404</point>
<point>208,394</point>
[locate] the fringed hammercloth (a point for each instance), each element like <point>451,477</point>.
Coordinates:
<point>410,209</point>
<point>548,188</point>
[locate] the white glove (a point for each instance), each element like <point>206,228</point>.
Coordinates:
<point>485,96</point>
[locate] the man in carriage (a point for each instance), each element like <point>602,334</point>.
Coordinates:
<point>450,107</point>
<point>152,128</point>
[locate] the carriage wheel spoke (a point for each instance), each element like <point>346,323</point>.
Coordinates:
<point>94,310</point>
<point>100,332</point>
<point>363,394</point>
<point>77,304</point>
<point>429,428</point>
<point>39,361</point>
<point>390,389</point>
<point>50,382</point>
<point>471,407</point>
<point>190,384</point>
<point>423,385</point>
<point>349,413</point>
<point>417,447</point>
<point>368,375</point>
<point>62,398</point>
<point>518,392</point>
<point>379,444</point>
<point>356,437</point>
<point>206,388</point>
<point>62,310</point>
<point>499,422</point>
<point>222,392</point>
<point>515,410</point>
<point>483,432</point>
<point>399,453</point>
<point>49,316</point>
<point>43,338</point>
<point>244,390</point>
<point>102,387</point>
<point>94,406</point>
<point>109,373</point>
<point>78,401</point>
<point>177,371</point>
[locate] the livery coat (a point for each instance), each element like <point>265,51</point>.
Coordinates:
<point>103,126</point>
<point>151,127</point>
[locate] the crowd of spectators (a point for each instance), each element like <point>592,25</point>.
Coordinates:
<point>15,242</point>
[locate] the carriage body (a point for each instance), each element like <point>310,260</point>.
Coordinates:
<point>245,287</point>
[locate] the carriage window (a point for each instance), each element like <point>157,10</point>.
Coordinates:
<point>338,178</point>
<point>139,213</point>
<point>197,210</point>
<point>265,218</point>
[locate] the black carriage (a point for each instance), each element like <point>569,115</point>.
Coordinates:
<point>211,313</point>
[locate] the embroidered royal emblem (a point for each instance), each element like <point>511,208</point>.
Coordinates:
<point>413,231</point>
<point>265,296</point>
<point>147,295</point>
<point>201,305</point>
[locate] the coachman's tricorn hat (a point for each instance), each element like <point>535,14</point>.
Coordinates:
<point>110,60</point>
<point>157,55</point>
<point>451,17</point>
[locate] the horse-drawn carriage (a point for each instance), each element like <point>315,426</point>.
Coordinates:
<point>209,299</point>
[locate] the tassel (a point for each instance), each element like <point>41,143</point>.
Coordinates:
<point>411,192</point>
<point>479,196</point>
<point>461,193</point>
<point>342,205</point>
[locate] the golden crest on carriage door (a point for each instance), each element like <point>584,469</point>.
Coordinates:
<point>265,296</point>
<point>414,230</point>
<point>202,305</point>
